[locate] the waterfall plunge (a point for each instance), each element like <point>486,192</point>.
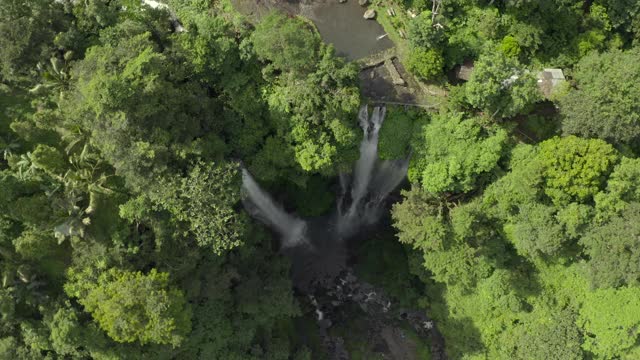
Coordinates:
<point>266,210</point>
<point>372,183</point>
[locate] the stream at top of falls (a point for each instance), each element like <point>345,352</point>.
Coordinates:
<point>318,247</point>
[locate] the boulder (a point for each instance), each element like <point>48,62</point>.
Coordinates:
<point>363,2</point>
<point>342,1</point>
<point>370,14</point>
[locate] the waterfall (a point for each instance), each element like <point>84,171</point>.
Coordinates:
<point>368,155</point>
<point>261,206</point>
<point>371,184</point>
<point>389,175</point>
<point>343,191</point>
<point>361,195</point>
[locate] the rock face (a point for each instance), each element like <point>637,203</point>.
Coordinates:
<point>370,14</point>
<point>395,75</point>
<point>363,2</point>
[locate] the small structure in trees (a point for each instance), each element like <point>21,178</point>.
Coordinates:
<point>548,79</point>
<point>463,71</point>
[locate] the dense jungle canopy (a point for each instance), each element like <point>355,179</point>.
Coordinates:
<point>125,127</point>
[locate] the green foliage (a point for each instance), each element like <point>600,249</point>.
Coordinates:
<point>622,188</point>
<point>315,113</point>
<point>623,15</point>
<point>148,122</point>
<point>28,29</point>
<point>590,41</point>
<point>397,131</point>
<point>131,306</point>
<point>426,64</point>
<point>383,262</point>
<point>453,153</point>
<point>536,231</point>
<point>575,169</point>
<point>500,86</point>
<point>419,220</point>
<point>205,199</point>
<point>48,159</point>
<point>493,254</point>
<point>604,103</point>
<point>139,110</point>
<point>548,335</point>
<point>314,199</point>
<point>121,233</point>
<point>614,250</point>
<point>422,34</point>
<point>290,44</point>
<point>510,47</point>
<point>66,332</point>
<point>611,317</point>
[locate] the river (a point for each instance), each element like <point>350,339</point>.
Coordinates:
<point>339,24</point>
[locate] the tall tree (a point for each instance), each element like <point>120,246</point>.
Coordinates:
<point>500,86</point>
<point>605,102</point>
<point>314,95</point>
<point>131,306</point>
<point>453,153</point>
<point>614,250</point>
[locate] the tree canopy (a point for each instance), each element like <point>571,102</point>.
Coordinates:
<point>125,128</point>
<point>604,103</point>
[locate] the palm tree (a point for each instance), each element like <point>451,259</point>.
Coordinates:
<point>26,167</point>
<point>8,146</point>
<point>55,76</point>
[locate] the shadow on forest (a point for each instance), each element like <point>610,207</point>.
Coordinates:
<point>467,337</point>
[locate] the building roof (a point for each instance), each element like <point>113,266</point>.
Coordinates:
<point>463,72</point>
<point>548,79</point>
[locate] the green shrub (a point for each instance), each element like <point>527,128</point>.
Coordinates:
<point>426,64</point>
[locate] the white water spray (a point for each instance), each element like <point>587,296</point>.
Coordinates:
<point>372,181</point>
<point>266,210</point>
<point>368,154</point>
<point>389,175</point>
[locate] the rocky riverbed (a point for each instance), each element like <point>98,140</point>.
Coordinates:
<point>332,302</point>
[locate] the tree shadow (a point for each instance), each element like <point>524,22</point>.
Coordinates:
<point>453,338</point>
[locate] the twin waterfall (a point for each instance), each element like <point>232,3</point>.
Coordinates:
<point>266,210</point>
<point>372,181</point>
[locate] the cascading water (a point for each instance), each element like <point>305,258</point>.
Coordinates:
<point>368,154</point>
<point>266,210</point>
<point>371,184</point>
<point>389,175</point>
<point>318,248</point>
<point>347,223</point>
<point>359,203</point>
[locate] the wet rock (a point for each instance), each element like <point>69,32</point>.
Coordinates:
<point>325,323</point>
<point>370,14</point>
<point>363,2</point>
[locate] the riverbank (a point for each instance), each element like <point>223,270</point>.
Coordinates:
<point>373,44</point>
